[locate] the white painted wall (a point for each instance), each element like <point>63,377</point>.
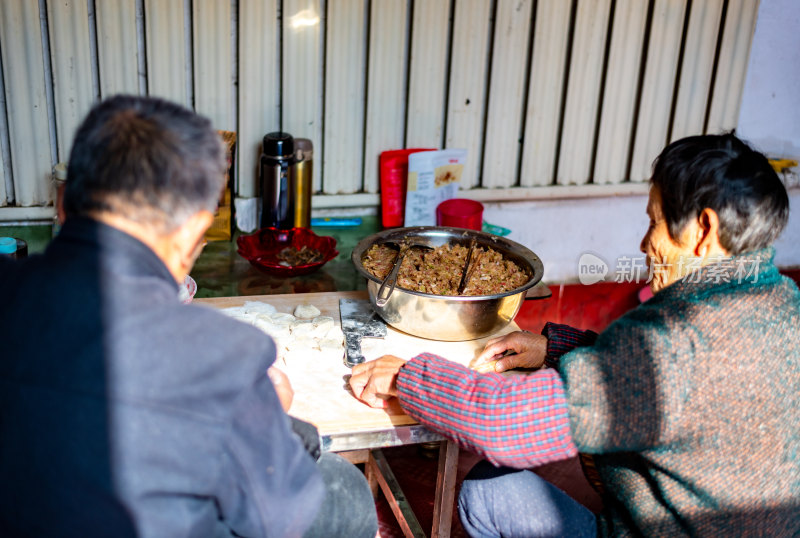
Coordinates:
<point>770,114</point>
<point>560,231</point>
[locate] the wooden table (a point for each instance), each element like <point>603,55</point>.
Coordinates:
<point>351,428</point>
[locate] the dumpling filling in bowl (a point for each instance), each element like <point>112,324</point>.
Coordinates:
<point>438,271</point>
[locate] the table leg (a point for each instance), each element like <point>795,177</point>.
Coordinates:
<point>379,474</point>
<point>445,489</point>
<point>394,495</point>
<point>371,474</point>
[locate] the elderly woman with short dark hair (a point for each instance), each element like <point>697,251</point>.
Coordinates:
<point>688,404</point>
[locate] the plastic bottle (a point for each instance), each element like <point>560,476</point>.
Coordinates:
<point>13,247</point>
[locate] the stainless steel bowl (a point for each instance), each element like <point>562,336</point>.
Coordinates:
<point>440,317</point>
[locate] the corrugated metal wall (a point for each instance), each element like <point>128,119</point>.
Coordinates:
<point>541,92</point>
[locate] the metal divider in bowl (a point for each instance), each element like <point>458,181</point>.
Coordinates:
<point>387,286</point>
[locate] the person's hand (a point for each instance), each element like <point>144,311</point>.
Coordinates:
<point>282,386</point>
<point>374,382</point>
<point>528,351</point>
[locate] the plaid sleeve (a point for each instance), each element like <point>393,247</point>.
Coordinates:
<point>514,421</point>
<point>562,339</point>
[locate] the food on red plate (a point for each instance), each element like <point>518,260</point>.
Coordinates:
<point>291,256</point>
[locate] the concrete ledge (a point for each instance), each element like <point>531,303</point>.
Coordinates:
<point>515,194</point>
<point>26,214</point>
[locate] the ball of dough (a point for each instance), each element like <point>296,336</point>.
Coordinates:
<point>274,330</point>
<point>306,311</point>
<point>257,307</point>
<point>281,318</point>
<point>236,312</point>
<point>322,326</point>
<point>331,345</point>
<point>302,344</point>
<point>302,327</point>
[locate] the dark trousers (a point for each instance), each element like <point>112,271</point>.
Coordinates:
<point>498,501</point>
<point>348,508</point>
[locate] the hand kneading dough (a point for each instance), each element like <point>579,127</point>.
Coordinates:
<point>306,311</point>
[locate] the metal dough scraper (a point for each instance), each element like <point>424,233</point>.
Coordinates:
<point>359,320</point>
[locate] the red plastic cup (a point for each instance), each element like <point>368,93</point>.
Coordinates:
<point>460,213</point>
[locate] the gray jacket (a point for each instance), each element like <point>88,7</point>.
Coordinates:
<point>124,412</point>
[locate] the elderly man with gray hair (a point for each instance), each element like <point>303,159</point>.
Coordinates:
<point>124,412</point>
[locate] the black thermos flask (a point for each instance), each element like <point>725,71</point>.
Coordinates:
<point>278,178</point>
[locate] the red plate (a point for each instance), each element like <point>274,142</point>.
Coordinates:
<point>262,248</point>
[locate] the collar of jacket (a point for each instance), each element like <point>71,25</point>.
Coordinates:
<point>118,252</point>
